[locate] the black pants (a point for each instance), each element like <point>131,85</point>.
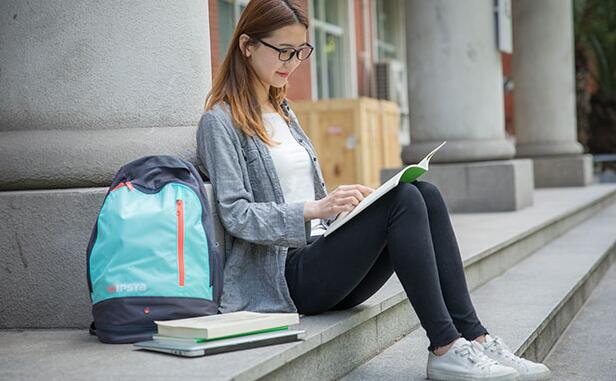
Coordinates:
<point>408,231</point>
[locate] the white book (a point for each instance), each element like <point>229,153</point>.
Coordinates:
<point>406,175</point>
<point>223,325</point>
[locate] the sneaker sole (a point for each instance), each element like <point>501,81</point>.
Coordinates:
<point>536,377</point>
<point>439,375</point>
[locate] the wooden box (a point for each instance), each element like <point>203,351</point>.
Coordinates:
<point>354,138</point>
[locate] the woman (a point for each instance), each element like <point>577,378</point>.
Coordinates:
<point>272,202</point>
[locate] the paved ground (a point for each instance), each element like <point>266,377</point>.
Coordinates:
<point>586,349</point>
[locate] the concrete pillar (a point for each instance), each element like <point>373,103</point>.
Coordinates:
<point>455,82</point>
<point>88,86</point>
<point>456,94</point>
<point>85,87</point>
<point>544,94</point>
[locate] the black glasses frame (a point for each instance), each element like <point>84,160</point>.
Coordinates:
<point>295,51</point>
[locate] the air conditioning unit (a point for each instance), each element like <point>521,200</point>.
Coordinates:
<point>390,83</point>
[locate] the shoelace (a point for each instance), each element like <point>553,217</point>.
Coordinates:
<point>475,356</point>
<point>503,349</point>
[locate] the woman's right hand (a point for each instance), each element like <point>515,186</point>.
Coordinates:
<point>343,199</point>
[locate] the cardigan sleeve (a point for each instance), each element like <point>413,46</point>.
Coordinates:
<point>266,223</point>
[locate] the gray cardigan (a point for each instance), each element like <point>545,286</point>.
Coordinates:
<point>259,226</point>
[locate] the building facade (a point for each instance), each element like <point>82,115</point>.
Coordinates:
<point>87,86</point>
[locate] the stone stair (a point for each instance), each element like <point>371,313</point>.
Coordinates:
<point>501,251</point>
<point>582,352</point>
<point>529,306</point>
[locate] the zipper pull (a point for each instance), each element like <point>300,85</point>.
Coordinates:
<point>130,186</point>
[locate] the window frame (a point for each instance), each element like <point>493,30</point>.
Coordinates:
<point>345,31</point>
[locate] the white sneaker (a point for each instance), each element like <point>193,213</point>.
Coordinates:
<point>495,348</point>
<point>464,361</point>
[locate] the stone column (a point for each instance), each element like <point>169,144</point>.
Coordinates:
<point>87,86</point>
<point>544,94</point>
<point>456,94</point>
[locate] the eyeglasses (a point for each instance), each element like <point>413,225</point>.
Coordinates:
<point>286,54</point>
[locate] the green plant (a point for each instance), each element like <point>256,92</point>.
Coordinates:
<point>595,53</point>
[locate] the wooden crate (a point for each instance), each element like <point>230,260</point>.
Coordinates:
<point>354,138</point>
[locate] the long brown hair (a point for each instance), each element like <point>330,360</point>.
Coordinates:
<point>234,82</point>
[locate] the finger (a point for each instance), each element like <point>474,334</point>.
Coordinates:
<point>349,200</point>
<point>365,189</point>
<point>352,194</point>
<point>339,209</point>
<point>347,187</point>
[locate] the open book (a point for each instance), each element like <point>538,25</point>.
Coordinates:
<point>406,175</point>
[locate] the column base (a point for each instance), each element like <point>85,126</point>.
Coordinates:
<point>459,151</point>
<point>487,186</point>
<point>543,149</point>
<point>43,281</point>
<point>563,171</point>
<point>52,159</point>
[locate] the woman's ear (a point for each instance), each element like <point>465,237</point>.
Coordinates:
<point>244,46</point>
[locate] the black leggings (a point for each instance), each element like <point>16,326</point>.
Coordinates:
<point>407,231</point>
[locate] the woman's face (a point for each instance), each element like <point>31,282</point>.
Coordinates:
<point>264,60</point>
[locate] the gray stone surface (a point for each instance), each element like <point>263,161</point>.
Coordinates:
<point>486,186</point>
<point>50,159</point>
<point>543,73</point>
<point>563,171</point>
<point>455,82</point>
<point>56,352</point>
<point>520,304</point>
<point>42,247</point>
<point>84,66</point>
<point>43,242</point>
<point>582,352</point>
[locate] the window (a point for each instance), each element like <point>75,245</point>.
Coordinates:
<point>332,53</point>
<point>229,12</point>
<point>390,45</point>
<point>390,31</point>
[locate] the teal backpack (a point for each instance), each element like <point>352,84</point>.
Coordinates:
<point>151,255</point>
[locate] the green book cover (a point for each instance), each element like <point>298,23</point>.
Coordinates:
<point>202,340</point>
<point>406,175</point>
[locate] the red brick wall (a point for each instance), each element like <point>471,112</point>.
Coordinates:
<point>214,48</point>
<point>300,83</point>
<point>359,43</point>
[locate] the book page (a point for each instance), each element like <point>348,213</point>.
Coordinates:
<point>407,175</point>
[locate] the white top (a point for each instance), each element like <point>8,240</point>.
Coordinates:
<point>293,165</point>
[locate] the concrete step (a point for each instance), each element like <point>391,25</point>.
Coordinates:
<point>336,342</point>
<point>583,351</point>
<point>529,306</point>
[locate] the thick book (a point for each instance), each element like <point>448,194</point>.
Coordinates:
<point>226,325</point>
<point>406,175</point>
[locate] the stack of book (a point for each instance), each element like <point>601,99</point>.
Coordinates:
<point>224,332</point>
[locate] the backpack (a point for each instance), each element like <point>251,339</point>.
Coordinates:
<point>151,254</point>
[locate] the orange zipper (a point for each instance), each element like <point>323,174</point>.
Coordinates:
<point>179,207</point>
<point>128,184</point>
